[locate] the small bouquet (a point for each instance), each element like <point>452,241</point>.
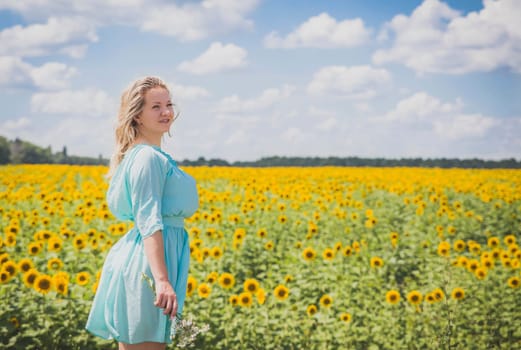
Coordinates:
<point>183,331</point>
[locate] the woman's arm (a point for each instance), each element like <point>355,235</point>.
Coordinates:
<point>155,253</point>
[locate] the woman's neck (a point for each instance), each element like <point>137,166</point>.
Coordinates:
<point>148,141</point>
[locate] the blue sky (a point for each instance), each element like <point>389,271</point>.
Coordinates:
<point>257,78</point>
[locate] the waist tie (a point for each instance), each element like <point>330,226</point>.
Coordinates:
<point>177,221</point>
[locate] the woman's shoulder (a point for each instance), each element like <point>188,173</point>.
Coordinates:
<point>145,155</point>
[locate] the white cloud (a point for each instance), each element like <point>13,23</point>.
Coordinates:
<point>194,21</point>
<point>187,92</point>
<point>237,137</point>
<point>437,39</point>
<point>16,73</point>
<point>52,75</point>
<point>325,120</point>
<point>356,82</point>
<point>80,134</point>
<point>11,126</point>
<point>187,21</point>
<point>88,102</point>
<point>424,112</point>
<point>322,31</point>
<point>268,98</point>
<point>43,39</point>
<point>216,58</point>
<point>327,124</point>
<point>420,106</point>
<point>293,135</point>
<point>463,126</point>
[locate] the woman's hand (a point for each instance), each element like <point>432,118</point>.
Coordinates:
<point>166,298</point>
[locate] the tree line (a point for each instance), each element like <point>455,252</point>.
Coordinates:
<point>22,152</point>
<point>277,161</point>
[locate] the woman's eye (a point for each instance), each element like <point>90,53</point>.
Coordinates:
<point>170,105</point>
<point>155,107</point>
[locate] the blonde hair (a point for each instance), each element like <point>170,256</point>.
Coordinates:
<point>131,107</point>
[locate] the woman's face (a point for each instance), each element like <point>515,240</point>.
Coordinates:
<point>158,113</point>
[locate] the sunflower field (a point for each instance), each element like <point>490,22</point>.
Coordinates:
<point>282,258</point>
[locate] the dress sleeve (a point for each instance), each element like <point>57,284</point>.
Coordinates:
<point>146,179</point>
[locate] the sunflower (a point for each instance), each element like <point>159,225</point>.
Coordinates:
<point>347,251</point>
<point>191,284</point>
<point>309,254</point>
<point>506,262</point>
<point>261,296</point>
<point>328,254</point>
<point>459,245</point>
<point>473,265</point>
<point>206,252</point>
<point>288,278</point>
<point>393,235</point>
<point>475,248</point>
<point>10,267</point>
<point>43,284</point>
<point>234,300</point>
<point>262,233</point>
<point>326,300</point>
<point>462,261</point>
<point>34,248</point>
<point>80,241</point>
<point>54,264</point>
<point>239,233</point>
<point>10,240</point>
<point>14,321</point>
<point>376,262</point>
<point>29,277</point>
<point>487,262</point>
<point>311,310</point>
<point>25,264</point>
<point>54,244</point>
<point>414,297</point>
<point>430,298</point>
<point>82,278</point>
<point>212,277</point>
<point>226,280</point>
<point>204,290</point>
<point>281,292</point>
<point>438,294</point>
<point>392,297</point>
<point>480,273</point>
<point>346,317</point>
<point>457,293</point>
<point>4,276</point>
<point>61,285</point>
<point>514,282</point>
<point>268,245</point>
<point>217,252</point>
<point>509,239</point>
<point>444,248</point>
<point>251,285</point>
<point>493,242</point>
<point>245,299</point>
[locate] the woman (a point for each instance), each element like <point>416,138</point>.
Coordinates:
<point>148,188</point>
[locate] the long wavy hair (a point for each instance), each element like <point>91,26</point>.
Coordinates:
<point>131,107</point>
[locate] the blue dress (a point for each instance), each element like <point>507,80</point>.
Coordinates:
<point>149,189</point>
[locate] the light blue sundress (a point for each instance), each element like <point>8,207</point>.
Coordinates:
<point>149,189</point>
